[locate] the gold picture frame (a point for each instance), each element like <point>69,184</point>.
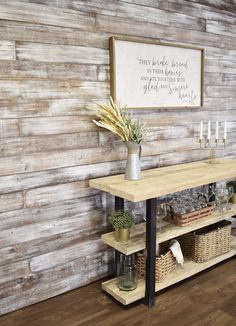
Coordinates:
<point>146,75</point>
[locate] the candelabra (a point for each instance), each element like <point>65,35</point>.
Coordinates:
<point>213,145</point>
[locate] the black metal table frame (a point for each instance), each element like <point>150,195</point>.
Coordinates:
<point>150,247</point>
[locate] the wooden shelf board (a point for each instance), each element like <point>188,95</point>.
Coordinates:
<point>169,231</point>
<point>162,181</point>
<point>190,268</point>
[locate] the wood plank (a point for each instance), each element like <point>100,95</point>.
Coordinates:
<point>211,103</point>
<point>35,13</point>
<point>21,182</point>
<point>13,271</point>
<point>7,50</point>
<point>220,79</point>
<point>55,125</point>
<point>9,128</point>
<point>218,91</point>
<point>221,28</point>
<point>53,160</point>
<point>220,65</point>
<point>194,9</point>
<point>51,194</point>
<point>52,3</point>
<point>24,108</point>
<point>79,208</point>
<point>43,70</point>
<point>155,118</point>
<point>44,52</point>
<point>35,32</point>
<point>162,181</point>
<point>192,156</point>
<point>34,144</point>
<point>117,25</point>
<point>214,52</point>
<point>42,229</point>
<point>11,202</point>
<point>190,268</point>
<point>55,258</point>
<point>136,13</point>
<point>169,231</point>
<point>219,4</point>
<point>50,89</point>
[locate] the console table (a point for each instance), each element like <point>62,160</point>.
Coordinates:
<point>155,183</point>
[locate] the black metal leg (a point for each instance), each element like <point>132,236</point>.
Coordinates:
<point>212,189</point>
<point>117,263</point>
<point>119,206</point>
<point>151,251</point>
<point>119,203</point>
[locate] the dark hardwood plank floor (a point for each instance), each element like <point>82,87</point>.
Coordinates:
<point>208,298</point>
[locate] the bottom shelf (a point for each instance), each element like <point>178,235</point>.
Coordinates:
<point>190,268</point>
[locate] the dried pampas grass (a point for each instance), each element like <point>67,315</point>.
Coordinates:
<point>118,120</point>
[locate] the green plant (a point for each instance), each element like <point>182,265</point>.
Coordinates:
<point>121,220</point>
<point>118,120</point>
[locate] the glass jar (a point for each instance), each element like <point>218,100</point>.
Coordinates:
<point>127,273</point>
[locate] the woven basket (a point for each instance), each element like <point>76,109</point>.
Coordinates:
<point>208,242</point>
<point>165,263</point>
<point>185,219</point>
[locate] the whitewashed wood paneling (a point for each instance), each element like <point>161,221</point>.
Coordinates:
<point>34,13</point>
<point>54,61</point>
<point>7,50</point>
<point>10,202</point>
<point>60,53</point>
<point>35,32</point>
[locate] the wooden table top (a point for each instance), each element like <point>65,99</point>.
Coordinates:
<point>162,181</point>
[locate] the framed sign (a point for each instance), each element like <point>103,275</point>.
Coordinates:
<point>161,75</point>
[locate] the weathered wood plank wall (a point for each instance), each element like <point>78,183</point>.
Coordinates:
<point>54,60</point>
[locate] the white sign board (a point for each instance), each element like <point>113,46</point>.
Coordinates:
<point>146,75</point>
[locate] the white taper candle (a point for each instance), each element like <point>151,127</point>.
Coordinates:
<point>201,130</point>
<point>225,130</point>
<point>209,130</point>
<point>217,130</point>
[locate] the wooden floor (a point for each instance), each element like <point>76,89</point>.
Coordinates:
<point>206,299</point>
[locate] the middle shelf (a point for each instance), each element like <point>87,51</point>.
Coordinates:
<point>169,231</point>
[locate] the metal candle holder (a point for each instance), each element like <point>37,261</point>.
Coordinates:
<point>212,146</point>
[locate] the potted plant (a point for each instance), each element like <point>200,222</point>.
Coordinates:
<point>122,221</point>
<point>118,120</point>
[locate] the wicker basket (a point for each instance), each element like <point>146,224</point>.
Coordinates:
<point>208,242</point>
<point>165,263</point>
<point>185,219</point>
